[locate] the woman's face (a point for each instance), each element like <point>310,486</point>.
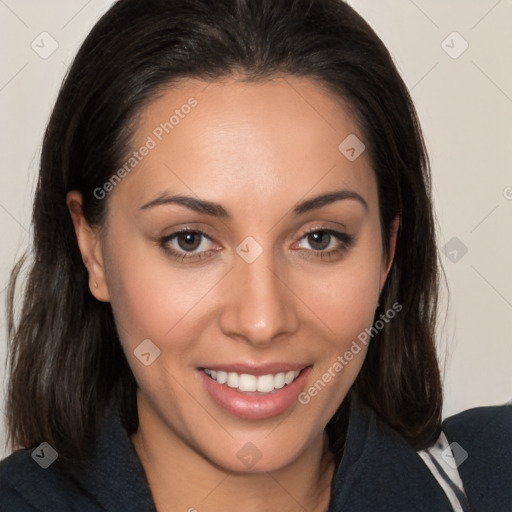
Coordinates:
<point>278,273</point>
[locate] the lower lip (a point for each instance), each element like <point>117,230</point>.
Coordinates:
<point>255,406</point>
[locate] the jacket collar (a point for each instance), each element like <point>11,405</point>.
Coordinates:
<point>381,471</point>
<point>113,473</point>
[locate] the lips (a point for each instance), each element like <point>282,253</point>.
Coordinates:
<point>255,392</point>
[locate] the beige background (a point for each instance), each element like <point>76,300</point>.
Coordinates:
<point>465,104</point>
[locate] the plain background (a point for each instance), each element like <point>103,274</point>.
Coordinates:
<point>464,100</point>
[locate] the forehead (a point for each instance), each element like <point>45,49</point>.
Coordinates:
<point>256,140</point>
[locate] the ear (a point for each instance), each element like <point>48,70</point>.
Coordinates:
<point>89,243</point>
<point>387,259</point>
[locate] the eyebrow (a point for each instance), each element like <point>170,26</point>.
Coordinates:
<point>216,210</point>
<point>192,203</point>
<point>325,199</point>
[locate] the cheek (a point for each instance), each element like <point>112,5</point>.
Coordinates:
<point>343,302</point>
<point>149,298</point>
<point>344,297</point>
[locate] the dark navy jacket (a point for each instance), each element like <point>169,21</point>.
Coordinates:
<point>379,471</point>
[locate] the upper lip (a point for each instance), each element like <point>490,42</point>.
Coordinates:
<point>256,369</point>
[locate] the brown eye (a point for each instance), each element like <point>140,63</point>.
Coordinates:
<point>187,244</point>
<point>319,240</point>
<point>189,241</point>
<point>325,243</point>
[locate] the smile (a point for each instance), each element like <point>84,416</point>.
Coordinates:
<point>251,383</point>
<point>254,392</point>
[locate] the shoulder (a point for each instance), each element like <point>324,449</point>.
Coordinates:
<point>499,418</point>
<point>26,486</point>
<point>12,470</point>
<point>481,444</point>
<point>106,476</point>
<point>482,428</point>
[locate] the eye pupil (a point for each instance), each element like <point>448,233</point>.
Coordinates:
<point>189,241</point>
<point>319,240</point>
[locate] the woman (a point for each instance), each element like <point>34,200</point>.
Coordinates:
<point>233,298</point>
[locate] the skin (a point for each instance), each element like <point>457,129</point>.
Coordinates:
<point>258,150</point>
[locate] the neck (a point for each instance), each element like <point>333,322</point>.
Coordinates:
<point>180,478</point>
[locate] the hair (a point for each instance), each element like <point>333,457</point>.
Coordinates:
<point>65,356</point>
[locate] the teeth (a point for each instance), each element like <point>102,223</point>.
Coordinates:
<point>279,380</point>
<point>233,379</point>
<point>289,377</point>
<point>265,384</point>
<point>249,383</point>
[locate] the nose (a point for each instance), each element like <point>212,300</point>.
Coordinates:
<point>259,306</point>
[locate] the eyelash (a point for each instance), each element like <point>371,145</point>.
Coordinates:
<point>346,242</point>
<point>181,256</point>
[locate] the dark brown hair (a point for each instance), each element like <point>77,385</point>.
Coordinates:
<point>65,356</point>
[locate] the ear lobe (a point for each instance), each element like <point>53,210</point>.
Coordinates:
<point>387,259</point>
<point>89,243</point>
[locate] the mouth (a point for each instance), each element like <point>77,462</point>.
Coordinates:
<point>255,392</point>
<point>249,383</point>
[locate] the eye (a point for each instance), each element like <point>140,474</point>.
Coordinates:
<point>325,242</point>
<point>187,244</point>
<point>189,241</point>
<point>319,240</point>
